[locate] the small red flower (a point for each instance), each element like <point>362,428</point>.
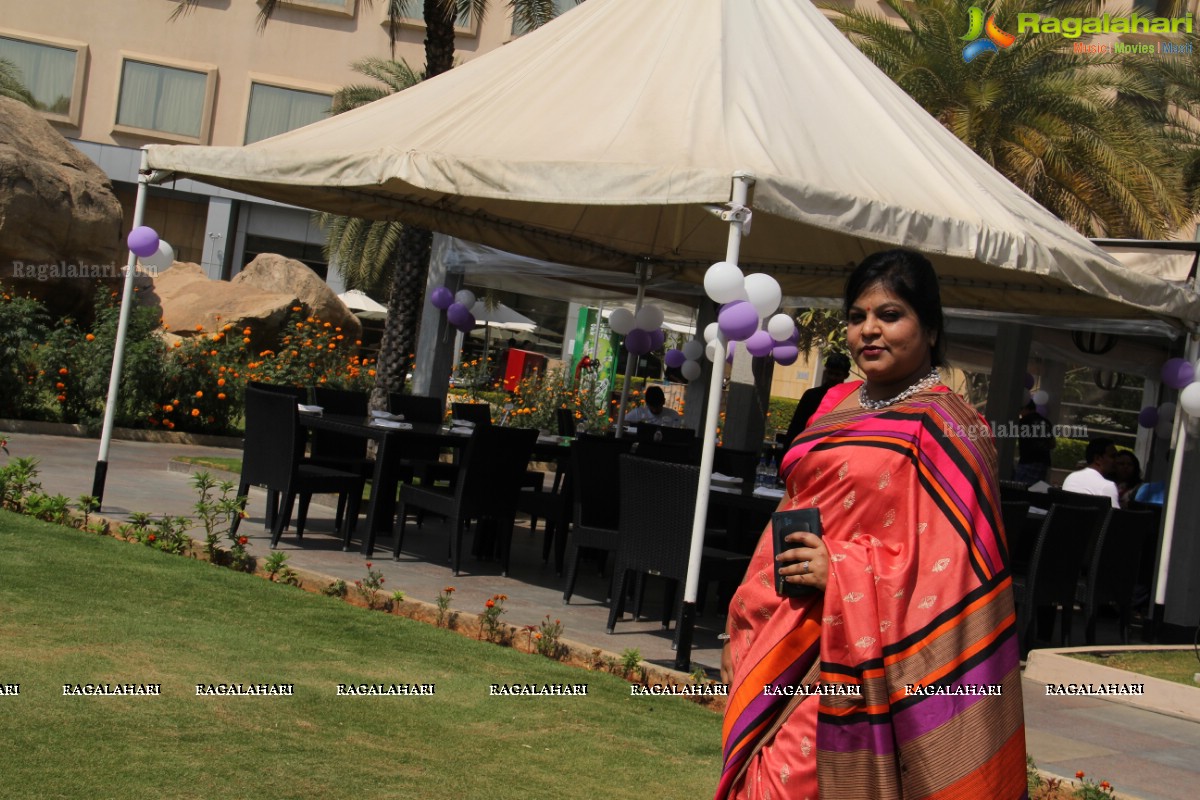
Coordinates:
<point>1079,774</point>
<point>490,604</point>
<point>1105,785</point>
<point>368,565</point>
<point>242,540</point>
<point>151,538</point>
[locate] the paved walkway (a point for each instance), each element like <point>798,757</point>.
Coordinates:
<point>1143,754</point>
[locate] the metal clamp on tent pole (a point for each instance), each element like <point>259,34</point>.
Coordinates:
<point>736,213</point>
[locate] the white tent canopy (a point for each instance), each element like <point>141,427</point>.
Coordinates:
<point>600,139</point>
<point>362,305</point>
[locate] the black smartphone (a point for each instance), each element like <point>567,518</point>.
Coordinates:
<point>783,523</point>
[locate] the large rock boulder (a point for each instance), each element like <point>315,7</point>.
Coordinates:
<point>60,222</point>
<point>274,273</point>
<point>261,298</point>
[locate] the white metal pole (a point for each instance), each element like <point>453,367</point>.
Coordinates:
<point>114,379</point>
<point>643,274</point>
<point>741,191</point>
<point>1178,446</point>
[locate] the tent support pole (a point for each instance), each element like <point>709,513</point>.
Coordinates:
<point>643,275</point>
<point>114,379</point>
<point>712,413</point>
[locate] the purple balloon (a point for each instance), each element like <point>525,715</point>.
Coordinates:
<point>738,320</point>
<point>1029,381</point>
<point>657,338</point>
<point>674,358</point>
<point>1177,373</point>
<point>460,316</point>
<point>785,354</point>
<point>760,344</point>
<point>441,297</point>
<point>1148,417</point>
<point>730,351</point>
<point>795,337</point>
<point>143,241</point>
<point>637,342</point>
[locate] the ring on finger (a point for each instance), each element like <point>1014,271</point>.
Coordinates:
<point>804,566</point>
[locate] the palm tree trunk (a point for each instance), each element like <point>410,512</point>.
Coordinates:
<point>405,305</point>
<point>406,302</point>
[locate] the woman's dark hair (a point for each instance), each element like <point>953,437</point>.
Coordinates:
<point>908,275</point>
<point>1136,477</point>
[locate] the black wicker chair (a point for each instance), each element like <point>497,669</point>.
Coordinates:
<point>489,478</point>
<point>479,413</point>
<point>272,456</point>
<point>1121,568</point>
<point>1055,569</point>
<point>300,394</point>
<point>1015,514</point>
<point>596,490</point>
<point>658,500</point>
<point>421,460</point>
<point>329,449</point>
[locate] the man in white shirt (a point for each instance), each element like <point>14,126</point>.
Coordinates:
<point>1101,457</point>
<point>654,411</point>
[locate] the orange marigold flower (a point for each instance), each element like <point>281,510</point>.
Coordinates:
<point>195,412</point>
<point>1079,774</point>
<point>169,424</point>
<point>327,325</point>
<point>62,371</point>
<point>358,341</point>
<point>90,337</point>
<point>246,340</point>
<point>212,352</point>
<point>199,394</point>
<point>60,385</point>
<point>220,395</point>
<point>371,372</point>
<point>295,308</point>
<point>62,398</point>
<point>221,381</point>
<point>245,331</point>
<point>168,408</point>
<point>489,604</point>
<point>228,326</point>
<point>199,328</point>
<point>449,590</point>
<point>1105,785</point>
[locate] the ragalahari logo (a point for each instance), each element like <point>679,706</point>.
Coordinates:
<point>996,40</point>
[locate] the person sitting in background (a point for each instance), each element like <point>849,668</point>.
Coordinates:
<point>1035,440</point>
<point>837,369</point>
<point>1095,478</point>
<point>1127,474</point>
<point>655,410</point>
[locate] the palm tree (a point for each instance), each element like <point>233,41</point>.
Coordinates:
<point>364,249</point>
<point>11,85</point>
<point>1086,135</point>
<point>413,246</point>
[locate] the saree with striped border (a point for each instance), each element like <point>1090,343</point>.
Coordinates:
<point>916,625</point>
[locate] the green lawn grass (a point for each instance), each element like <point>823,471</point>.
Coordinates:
<point>213,462</point>
<point>1169,665</point>
<point>77,608</point>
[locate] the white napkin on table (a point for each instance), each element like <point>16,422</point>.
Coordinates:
<point>392,424</point>
<point>763,491</point>
<point>305,409</point>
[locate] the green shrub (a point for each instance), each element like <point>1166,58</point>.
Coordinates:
<point>23,326</point>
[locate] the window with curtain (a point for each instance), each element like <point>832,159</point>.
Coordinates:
<point>47,72</point>
<point>275,110</point>
<point>161,98</point>
<point>560,7</point>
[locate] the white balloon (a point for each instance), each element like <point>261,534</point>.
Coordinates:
<point>764,293</point>
<point>781,326</point>
<point>621,321</point>
<point>711,332</point>
<point>1040,397</point>
<point>1189,398</point>
<point>649,318</point>
<point>693,350</point>
<point>724,282</point>
<point>465,296</point>
<point>163,258</point>
<point>690,370</point>
<point>715,351</point>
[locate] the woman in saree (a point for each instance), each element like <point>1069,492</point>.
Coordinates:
<point>898,675</point>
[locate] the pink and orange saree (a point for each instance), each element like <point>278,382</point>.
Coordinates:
<point>915,631</point>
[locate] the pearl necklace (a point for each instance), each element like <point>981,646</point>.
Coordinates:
<point>874,405</point>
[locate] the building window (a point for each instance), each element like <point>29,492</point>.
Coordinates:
<point>463,26</point>
<point>172,102</point>
<point>340,7</point>
<point>560,7</point>
<point>275,110</point>
<point>51,71</point>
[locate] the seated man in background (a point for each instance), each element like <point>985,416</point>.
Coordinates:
<point>654,411</point>
<point>1095,478</point>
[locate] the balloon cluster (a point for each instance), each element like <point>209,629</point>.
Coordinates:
<point>1178,373</point>
<point>457,307</point>
<point>642,331</point>
<point>152,251</point>
<point>747,314</point>
<point>687,360</point>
